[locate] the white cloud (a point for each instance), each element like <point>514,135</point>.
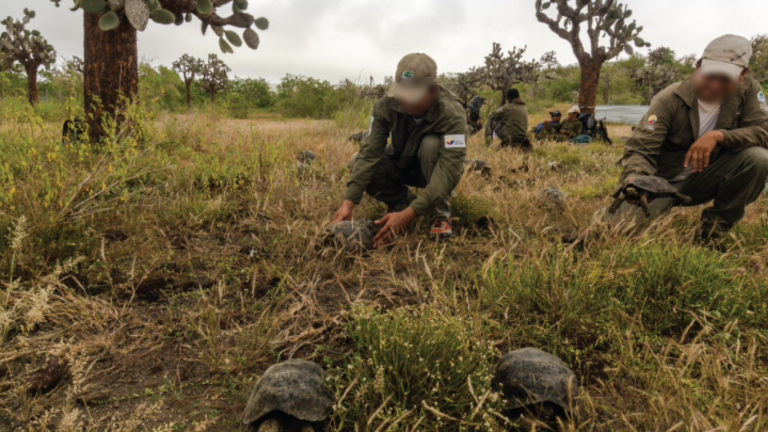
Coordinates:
<point>336,39</point>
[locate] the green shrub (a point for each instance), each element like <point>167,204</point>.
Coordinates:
<point>411,357</point>
<point>664,283</point>
<point>255,92</point>
<point>299,96</point>
<point>661,284</point>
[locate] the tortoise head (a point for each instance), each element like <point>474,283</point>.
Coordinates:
<point>632,193</point>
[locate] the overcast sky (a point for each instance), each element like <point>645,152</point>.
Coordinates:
<point>336,39</point>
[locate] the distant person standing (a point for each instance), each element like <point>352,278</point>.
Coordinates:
<point>474,122</point>
<point>510,122</point>
<point>427,125</point>
<point>568,129</point>
<point>707,135</point>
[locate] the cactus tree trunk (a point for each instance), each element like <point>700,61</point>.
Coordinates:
<point>590,80</point>
<point>189,92</point>
<point>111,70</point>
<point>32,84</point>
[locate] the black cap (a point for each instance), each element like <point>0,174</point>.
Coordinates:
<point>556,113</point>
<point>513,94</point>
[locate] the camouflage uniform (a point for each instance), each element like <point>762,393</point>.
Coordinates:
<point>551,132</point>
<point>428,154</point>
<point>738,166</point>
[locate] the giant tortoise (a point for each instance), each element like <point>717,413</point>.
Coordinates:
<point>530,379</point>
<point>644,188</point>
<point>290,396</point>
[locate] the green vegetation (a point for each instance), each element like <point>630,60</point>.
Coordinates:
<point>172,266</point>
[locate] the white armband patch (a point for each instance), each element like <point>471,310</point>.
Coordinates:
<point>455,141</point>
<point>370,126</point>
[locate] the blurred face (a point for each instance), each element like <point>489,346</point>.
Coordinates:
<point>715,88</point>
<point>420,108</point>
<point>573,116</point>
<point>556,118</point>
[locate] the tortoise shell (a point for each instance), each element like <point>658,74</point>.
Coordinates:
<point>354,236</point>
<point>295,387</point>
<point>530,376</point>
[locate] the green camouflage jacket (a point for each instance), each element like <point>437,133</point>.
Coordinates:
<point>660,142</point>
<point>446,118</point>
<point>512,120</point>
<point>572,128</point>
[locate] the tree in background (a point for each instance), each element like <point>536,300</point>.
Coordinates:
<point>214,76</point>
<point>464,84</point>
<point>549,60</point>
<point>500,72</point>
<point>604,19</point>
<point>189,67</point>
<point>375,91</point>
<point>256,91</point>
<point>111,54</point>
<point>27,48</point>
<point>659,72</point>
<point>6,63</point>
<point>758,66</point>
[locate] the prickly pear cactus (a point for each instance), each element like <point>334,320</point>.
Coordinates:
<point>26,47</point>
<point>214,76</point>
<point>139,12</point>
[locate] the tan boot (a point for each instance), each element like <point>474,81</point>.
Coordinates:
<point>271,425</point>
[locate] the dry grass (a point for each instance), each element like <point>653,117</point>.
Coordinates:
<point>168,303</point>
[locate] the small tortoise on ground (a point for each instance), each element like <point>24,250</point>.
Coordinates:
<point>354,236</point>
<point>359,137</point>
<point>531,380</point>
<point>645,188</point>
<point>306,156</point>
<point>552,198</point>
<point>302,170</point>
<point>478,165</point>
<point>290,396</point>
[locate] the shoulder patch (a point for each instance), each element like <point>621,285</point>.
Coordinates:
<point>652,119</point>
<point>761,97</point>
<point>455,141</point>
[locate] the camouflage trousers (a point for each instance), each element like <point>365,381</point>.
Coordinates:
<point>389,183</point>
<point>548,133</point>
<point>733,181</point>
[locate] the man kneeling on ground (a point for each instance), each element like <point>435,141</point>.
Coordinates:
<point>428,128</point>
<point>707,135</point>
<point>510,122</point>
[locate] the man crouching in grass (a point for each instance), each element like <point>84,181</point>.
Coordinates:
<point>707,135</point>
<point>427,124</point>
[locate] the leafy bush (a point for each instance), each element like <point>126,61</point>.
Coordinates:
<point>299,96</point>
<point>162,87</point>
<point>255,91</point>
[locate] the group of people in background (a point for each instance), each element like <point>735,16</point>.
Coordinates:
<point>509,124</point>
<point>707,136</point>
